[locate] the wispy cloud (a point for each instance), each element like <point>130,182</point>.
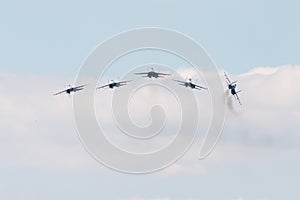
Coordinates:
<point>238,198</point>
<point>38,130</point>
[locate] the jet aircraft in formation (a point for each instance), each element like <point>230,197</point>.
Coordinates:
<point>188,83</point>
<point>113,84</point>
<point>71,89</point>
<point>232,87</point>
<point>152,73</point>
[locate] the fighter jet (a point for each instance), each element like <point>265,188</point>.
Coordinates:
<point>71,89</point>
<point>113,84</point>
<point>232,87</point>
<point>152,73</point>
<point>190,84</point>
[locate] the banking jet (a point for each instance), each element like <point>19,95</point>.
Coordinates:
<point>232,88</point>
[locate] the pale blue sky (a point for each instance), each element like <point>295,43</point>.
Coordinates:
<point>53,38</point>
<point>56,36</point>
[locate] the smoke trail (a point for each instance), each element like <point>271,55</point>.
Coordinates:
<point>229,101</point>
<point>230,104</point>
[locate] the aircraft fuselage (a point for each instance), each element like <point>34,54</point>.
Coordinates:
<point>69,90</point>
<point>114,84</point>
<point>233,92</point>
<point>191,85</point>
<point>152,74</point>
<point>231,86</point>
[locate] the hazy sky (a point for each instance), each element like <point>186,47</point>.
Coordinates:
<point>43,45</point>
<point>47,37</point>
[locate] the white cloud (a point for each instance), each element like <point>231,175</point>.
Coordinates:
<point>238,198</point>
<point>37,128</point>
<point>265,128</point>
<point>262,71</point>
<point>38,131</point>
<point>183,169</point>
<point>271,102</point>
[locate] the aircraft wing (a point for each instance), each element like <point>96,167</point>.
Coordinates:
<point>124,82</point>
<point>60,92</point>
<point>200,87</point>
<point>80,86</point>
<point>103,86</point>
<point>227,78</point>
<point>77,88</point>
<point>238,98</point>
<point>163,74</point>
<point>179,81</point>
<point>141,73</point>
